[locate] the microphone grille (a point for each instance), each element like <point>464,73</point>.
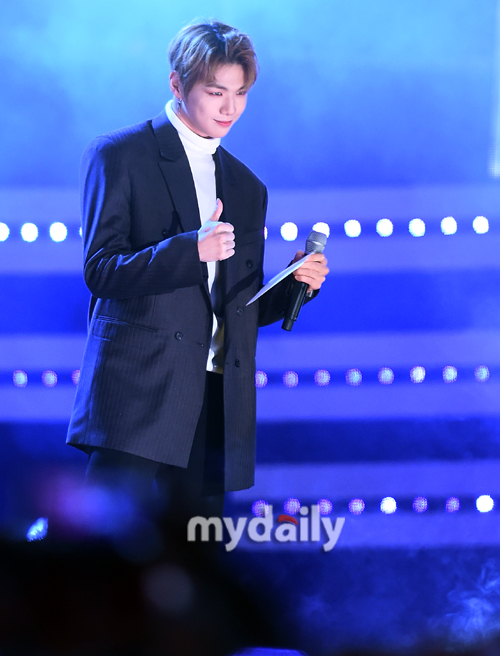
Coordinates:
<point>316,242</point>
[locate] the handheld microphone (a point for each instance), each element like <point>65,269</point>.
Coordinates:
<point>315,243</point>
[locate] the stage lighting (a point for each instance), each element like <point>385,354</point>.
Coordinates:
<point>20,378</point>
<point>388,506</point>
<point>289,231</point>
<point>420,504</point>
<point>291,506</point>
<point>29,232</point>
<point>485,503</point>
<point>352,228</point>
<point>80,231</point>
<point>49,378</point>
<point>386,376</point>
<point>481,373</point>
<point>38,530</point>
<point>450,374</point>
<point>58,231</point>
<point>452,505</point>
<point>75,376</point>
<point>385,227</point>
<point>448,225</point>
<point>325,506</point>
<point>260,379</point>
<point>416,228</point>
<point>260,508</point>
<point>354,377</point>
<point>481,225</point>
<point>356,506</point>
<point>322,377</point>
<point>4,231</point>
<point>290,379</point>
<point>265,232</point>
<point>417,375</point>
<point>322,227</point>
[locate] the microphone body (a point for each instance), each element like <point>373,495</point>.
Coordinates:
<point>315,243</point>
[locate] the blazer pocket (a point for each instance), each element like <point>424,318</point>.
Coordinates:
<point>250,237</point>
<point>109,327</point>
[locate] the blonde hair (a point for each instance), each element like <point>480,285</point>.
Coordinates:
<point>199,49</point>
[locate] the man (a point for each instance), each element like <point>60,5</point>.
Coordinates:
<point>173,229</point>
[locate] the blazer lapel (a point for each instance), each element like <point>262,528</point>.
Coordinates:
<point>177,173</point>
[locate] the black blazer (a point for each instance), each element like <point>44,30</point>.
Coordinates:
<point>143,373</point>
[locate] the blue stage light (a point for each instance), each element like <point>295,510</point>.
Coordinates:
<point>386,376</point>
<point>450,374</point>
<point>356,506</point>
<point>4,231</point>
<point>80,231</point>
<point>75,376</point>
<point>322,377</point>
<point>58,231</point>
<point>481,373</point>
<point>49,378</point>
<point>38,530</point>
<point>290,379</point>
<point>353,377</point>
<point>420,504</point>
<point>481,225</point>
<point>325,506</point>
<point>323,227</point>
<point>352,228</point>
<point>416,228</point>
<point>260,379</point>
<point>448,225</point>
<point>385,227</point>
<point>485,503</point>
<point>417,374</point>
<point>260,508</point>
<point>291,506</point>
<point>452,505</point>
<point>265,232</point>
<point>29,232</point>
<point>388,505</point>
<point>20,378</point>
<point>289,231</point>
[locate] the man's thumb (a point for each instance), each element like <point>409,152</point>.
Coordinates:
<point>218,211</point>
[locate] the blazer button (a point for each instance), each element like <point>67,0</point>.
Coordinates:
<point>249,264</point>
<point>164,233</point>
<point>239,311</point>
<point>178,336</point>
<point>236,363</point>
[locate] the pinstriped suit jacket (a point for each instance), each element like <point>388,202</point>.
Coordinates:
<point>143,373</point>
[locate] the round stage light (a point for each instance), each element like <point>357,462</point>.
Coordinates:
<point>58,231</point>
<point>450,374</point>
<point>4,231</point>
<point>291,506</point>
<point>485,503</point>
<point>352,228</point>
<point>356,506</point>
<point>452,505</point>
<point>386,376</point>
<point>20,378</point>
<point>49,378</point>
<point>448,225</point>
<point>260,379</point>
<point>388,506</point>
<point>417,374</point>
<point>385,227</point>
<point>323,227</point>
<point>265,232</point>
<point>416,228</point>
<point>75,376</point>
<point>289,231</point>
<point>354,377</point>
<point>420,504</point>
<point>290,379</point>
<point>29,232</point>
<point>322,377</point>
<point>481,373</point>
<point>481,225</point>
<point>325,506</point>
<point>260,508</point>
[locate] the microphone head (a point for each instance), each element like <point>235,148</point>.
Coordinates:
<point>316,242</point>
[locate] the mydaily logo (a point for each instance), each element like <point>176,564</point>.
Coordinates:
<point>306,528</point>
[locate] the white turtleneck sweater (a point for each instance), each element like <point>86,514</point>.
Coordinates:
<point>200,151</point>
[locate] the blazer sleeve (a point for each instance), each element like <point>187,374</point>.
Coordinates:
<point>112,267</point>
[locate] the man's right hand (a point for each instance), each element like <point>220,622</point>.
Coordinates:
<point>215,240</point>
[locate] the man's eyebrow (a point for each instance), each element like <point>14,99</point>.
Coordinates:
<point>216,85</point>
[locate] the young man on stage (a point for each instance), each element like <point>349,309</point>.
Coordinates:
<point>173,230</point>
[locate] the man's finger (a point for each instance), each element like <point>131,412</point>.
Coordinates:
<point>218,211</point>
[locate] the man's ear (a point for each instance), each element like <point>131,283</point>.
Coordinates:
<point>175,85</point>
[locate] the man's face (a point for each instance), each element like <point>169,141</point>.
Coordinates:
<point>212,108</point>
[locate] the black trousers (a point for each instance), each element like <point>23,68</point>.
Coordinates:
<point>181,493</point>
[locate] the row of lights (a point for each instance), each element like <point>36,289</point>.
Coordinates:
<point>385,375</point>
<point>29,232</point>
<point>388,505</point>
<point>385,227</point>
<point>49,378</point>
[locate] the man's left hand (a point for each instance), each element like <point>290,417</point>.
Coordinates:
<point>313,271</point>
